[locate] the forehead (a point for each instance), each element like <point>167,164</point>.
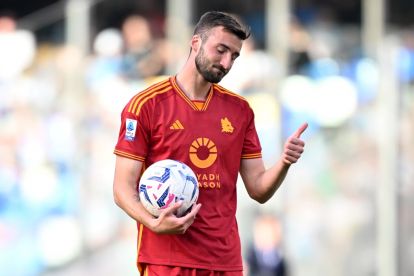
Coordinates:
<point>218,35</point>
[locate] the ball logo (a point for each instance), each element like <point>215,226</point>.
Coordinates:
<point>203,152</point>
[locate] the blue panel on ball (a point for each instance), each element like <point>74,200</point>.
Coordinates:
<point>162,178</point>
<point>143,189</point>
<point>191,179</point>
<point>161,200</point>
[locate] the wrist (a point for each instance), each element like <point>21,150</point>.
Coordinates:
<point>284,163</point>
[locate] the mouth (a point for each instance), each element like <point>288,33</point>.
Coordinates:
<point>220,69</point>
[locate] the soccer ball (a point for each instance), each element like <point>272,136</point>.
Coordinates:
<point>165,182</point>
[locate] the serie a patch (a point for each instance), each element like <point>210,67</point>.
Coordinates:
<point>131,128</point>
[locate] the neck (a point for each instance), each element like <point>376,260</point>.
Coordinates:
<point>193,84</point>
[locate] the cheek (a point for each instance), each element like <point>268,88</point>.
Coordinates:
<point>211,55</point>
<point>217,59</point>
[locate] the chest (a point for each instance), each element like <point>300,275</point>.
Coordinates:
<point>176,127</point>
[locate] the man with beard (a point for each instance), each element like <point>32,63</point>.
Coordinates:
<point>190,118</point>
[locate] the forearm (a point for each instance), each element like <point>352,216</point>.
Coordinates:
<point>262,184</point>
<point>128,200</point>
<point>270,180</point>
<point>126,197</point>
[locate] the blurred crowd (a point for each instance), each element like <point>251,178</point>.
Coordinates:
<point>59,117</point>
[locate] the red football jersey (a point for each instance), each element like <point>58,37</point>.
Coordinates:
<point>162,122</point>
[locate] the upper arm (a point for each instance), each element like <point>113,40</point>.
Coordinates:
<point>251,170</point>
<point>127,173</point>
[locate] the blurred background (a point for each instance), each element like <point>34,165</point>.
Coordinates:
<point>347,67</point>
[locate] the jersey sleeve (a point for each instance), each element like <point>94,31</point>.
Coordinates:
<point>133,135</point>
<point>251,145</point>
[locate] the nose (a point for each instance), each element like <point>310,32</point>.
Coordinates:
<point>226,62</point>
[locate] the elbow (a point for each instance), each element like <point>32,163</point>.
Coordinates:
<point>117,201</point>
<point>117,198</point>
<point>262,199</point>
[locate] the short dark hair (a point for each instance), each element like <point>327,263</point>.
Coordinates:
<point>213,19</point>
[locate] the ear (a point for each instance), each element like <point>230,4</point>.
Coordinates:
<point>195,43</point>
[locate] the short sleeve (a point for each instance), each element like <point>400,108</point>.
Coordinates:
<point>133,135</point>
<point>251,145</point>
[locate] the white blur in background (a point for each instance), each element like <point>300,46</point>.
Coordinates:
<point>60,113</point>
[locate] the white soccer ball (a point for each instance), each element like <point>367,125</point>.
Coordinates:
<point>165,182</point>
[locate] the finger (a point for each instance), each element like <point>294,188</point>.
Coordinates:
<point>193,212</point>
<point>290,160</point>
<point>296,148</point>
<point>295,141</point>
<point>172,208</point>
<point>292,157</point>
<point>300,130</point>
<point>294,154</point>
<point>189,218</point>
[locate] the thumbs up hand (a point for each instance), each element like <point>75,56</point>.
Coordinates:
<point>294,146</point>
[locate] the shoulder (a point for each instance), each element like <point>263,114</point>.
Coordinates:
<point>231,96</point>
<point>153,93</point>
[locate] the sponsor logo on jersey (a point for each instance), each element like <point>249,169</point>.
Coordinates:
<point>177,125</point>
<point>203,152</point>
<point>209,180</point>
<point>226,126</point>
<point>131,128</point>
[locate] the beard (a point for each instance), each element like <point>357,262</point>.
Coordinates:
<point>209,74</point>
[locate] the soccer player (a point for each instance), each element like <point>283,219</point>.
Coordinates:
<point>190,118</point>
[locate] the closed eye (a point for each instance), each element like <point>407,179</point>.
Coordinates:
<point>221,49</point>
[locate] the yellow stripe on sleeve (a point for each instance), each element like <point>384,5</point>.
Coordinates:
<point>251,156</point>
<point>143,94</point>
<point>129,155</point>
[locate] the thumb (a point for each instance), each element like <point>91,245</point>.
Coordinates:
<point>300,130</point>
